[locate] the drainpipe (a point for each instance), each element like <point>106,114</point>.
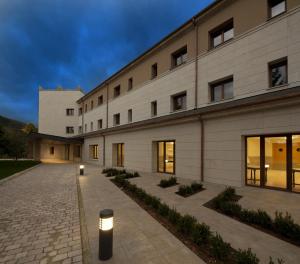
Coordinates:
<point>202,140</point>
<point>195,23</point>
<point>103,150</point>
<point>106,105</point>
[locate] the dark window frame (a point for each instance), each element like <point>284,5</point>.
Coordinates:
<point>129,115</point>
<point>117,91</point>
<point>116,117</point>
<point>275,64</point>
<point>70,111</point>
<point>100,124</point>
<point>100,100</point>
<point>153,108</point>
<point>174,97</point>
<point>174,156</point>
<point>52,150</point>
<point>130,84</point>
<point>80,111</point>
<point>69,130</point>
<point>180,53</point>
<point>92,105</point>
<point>221,82</point>
<point>154,71</point>
<point>270,6</point>
<point>220,30</point>
<point>120,162</point>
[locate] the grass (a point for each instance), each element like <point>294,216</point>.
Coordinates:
<point>10,167</point>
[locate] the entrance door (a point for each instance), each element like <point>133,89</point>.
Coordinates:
<point>296,163</point>
<point>166,157</point>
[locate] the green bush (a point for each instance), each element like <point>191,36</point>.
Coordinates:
<point>286,226</point>
<point>279,261</point>
<point>200,233</point>
<point>219,248</point>
<point>168,182</point>
<point>173,216</point>
<point>136,174</point>
<point>196,186</point>
<point>186,224</point>
<point>246,257</point>
<point>185,190</point>
<point>163,209</point>
<point>230,208</point>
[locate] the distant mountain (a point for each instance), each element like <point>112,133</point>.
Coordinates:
<point>10,124</point>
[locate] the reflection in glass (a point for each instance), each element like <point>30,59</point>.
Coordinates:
<point>296,163</point>
<point>161,159</point>
<point>169,157</point>
<point>253,160</point>
<point>166,161</point>
<point>275,159</point>
<point>120,155</point>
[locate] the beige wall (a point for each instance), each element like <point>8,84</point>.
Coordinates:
<point>86,150</point>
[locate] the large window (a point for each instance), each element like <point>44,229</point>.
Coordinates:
<point>94,152</point>
<point>70,130</point>
<point>116,119</point>
<point>70,111</point>
<point>166,156</point>
<point>178,102</point>
<point>221,90</point>
<point>276,7</point>
<point>222,34</point>
<point>278,72</point>
<point>179,57</point>
<point>120,154</point>
<point>273,161</point>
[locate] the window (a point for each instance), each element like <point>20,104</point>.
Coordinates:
<point>154,108</point>
<point>94,152</point>
<point>222,33</point>
<point>70,130</point>
<point>92,105</point>
<point>276,7</point>
<point>166,156</point>
<point>179,57</point>
<point>70,111</point>
<point>130,84</point>
<point>221,90</point>
<point>79,129</point>
<point>51,150</point>
<point>278,72</point>
<point>120,154</point>
<point>100,123</point>
<point>85,128</point>
<point>85,108</point>
<point>116,119</point>
<point>77,151</point>
<point>92,126</point>
<point>129,115</point>
<point>178,102</point>
<point>100,100</point>
<point>80,111</point>
<point>117,91</point>
<point>154,71</point>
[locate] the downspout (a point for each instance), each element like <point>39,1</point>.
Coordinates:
<point>202,140</point>
<point>106,105</point>
<point>195,23</point>
<point>82,127</point>
<point>103,150</point>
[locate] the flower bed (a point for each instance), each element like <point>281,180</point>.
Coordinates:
<point>165,183</point>
<point>282,226</point>
<point>188,190</point>
<point>115,172</point>
<point>197,236</point>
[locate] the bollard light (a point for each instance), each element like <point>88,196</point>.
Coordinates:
<point>81,169</point>
<point>106,219</point>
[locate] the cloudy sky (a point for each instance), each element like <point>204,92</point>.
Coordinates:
<point>76,42</point>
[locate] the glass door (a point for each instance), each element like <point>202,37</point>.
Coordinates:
<point>296,163</point>
<point>166,156</point>
<point>120,155</point>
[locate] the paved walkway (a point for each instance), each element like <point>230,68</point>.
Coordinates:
<point>39,217</point>
<point>237,234</point>
<point>138,238</point>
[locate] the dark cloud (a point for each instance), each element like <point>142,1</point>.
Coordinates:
<point>76,42</point>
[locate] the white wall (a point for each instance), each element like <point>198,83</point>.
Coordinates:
<point>86,150</point>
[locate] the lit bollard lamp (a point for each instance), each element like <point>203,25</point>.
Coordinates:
<point>105,234</point>
<point>81,169</point>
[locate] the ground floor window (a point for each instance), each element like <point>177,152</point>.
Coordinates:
<point>94,151</point>
<point>166,156</point>
<point>120,154</point>
<point>273,161</point>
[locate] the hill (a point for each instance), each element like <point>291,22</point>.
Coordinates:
<point>10,124</point>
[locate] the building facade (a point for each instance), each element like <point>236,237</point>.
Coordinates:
<point>217,100</point>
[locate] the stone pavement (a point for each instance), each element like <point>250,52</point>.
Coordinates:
<point>39,217</point>
<point>138,238</point>
<point>239,235</point>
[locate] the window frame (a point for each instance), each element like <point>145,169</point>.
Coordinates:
<point>270,8</point>
<point>100,124</point>
<point>70,111</point>
<point>94,151</point>
<point>129,112</point>
<point>173,98</point>
<point>130,84</point>
<point>220,30</point>
<point>275,64</point>
<point>92,105</point>
<point>154,107</point>
<point>154,70</point>
<point>115,117</point>
<point>180,53</point>
<point>100,100</point>
<point>117,91</point>
<point>222,82</point>
<point>69,130</point>
<point>80,111</point>
<point>174,156</point>
<point>52,150</point>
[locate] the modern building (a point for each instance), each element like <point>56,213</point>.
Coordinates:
<point>217,100</point>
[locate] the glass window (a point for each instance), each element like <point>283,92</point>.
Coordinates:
<point>277,7</point>
<point>92,105</point>
<point>154,108</point>
<point>154,71</point>
<point>116,119</point>
<point>166,157</point>
<point>253,160</point>
<point>94,151</point>
<point>51,150</point>
<point>296,163</point>
<point>70,112</point>
<point>278,72</point>
<point>179,57</point>
<point>130,84</point>
<point>228,34</point>
<point>100,100</point>
<point>100,123</point>
<point>70,130</point>
<point>217,40</point>
<point>222,33</point>
<point>222,90</point>
<point>129,115</point>
<point>117,91</point>
<point>120,155</point>
<point>179,102</point>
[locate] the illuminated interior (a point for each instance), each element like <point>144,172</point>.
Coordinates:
<point>166,155</point>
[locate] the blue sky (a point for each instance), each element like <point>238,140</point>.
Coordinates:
<point>76,42</point>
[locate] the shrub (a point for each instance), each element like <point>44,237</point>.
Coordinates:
<point>286,226</point>
<point>196,186</point>
<point>152,201</point>
<point>230,208</point>
<point>219,248</point>
<point>279,261</point>
<point>136,174</point>
<point>168,182</point>
<point>141,194</point>
<point>200,233</point>
<point>186,224</point>
<point>246,257</point>
<point>185,190</point>
<point>173,216</point>
<point>263,219</point>
<point>229,194</point>
<point>163,209</point>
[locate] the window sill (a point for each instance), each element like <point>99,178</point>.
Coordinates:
<point>271,18</point>
<point>179,110</point>
<point>222,44</point>
<point>278,86</point>
<point>221,101</point>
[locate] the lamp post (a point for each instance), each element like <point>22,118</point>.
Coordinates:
<point>105,234</point>
<point>81,169</point>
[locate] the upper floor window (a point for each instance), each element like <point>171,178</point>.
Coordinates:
<point>100,123</point>
<point>179,102</point>
<point>154,71</point>
<point>276,7</point>
<point>85,128</point>
<point>129,115</point>
<point>85,108</point>
<point>92,126</point>
<point>116,119</point>
<point>130,84</point>
<point>221,90</point>
<point>154,108</point>
<point>100,100</point>
<point>222,33</point>
<point>179,57</point>
<point>70,130</point>
<point>92,105</point>
<point>80,111</point>
<point>117,91</point>
<point>79,129</point>
<point>70,111</point>
<point>278,72</point>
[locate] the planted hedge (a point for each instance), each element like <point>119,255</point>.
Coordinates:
<point>198,236</point>
<point>164,183</point>
<point>188,190</point>
<point>110,172</point>
<point>282,226</point>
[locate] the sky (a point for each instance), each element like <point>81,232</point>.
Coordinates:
<point>72,43</point>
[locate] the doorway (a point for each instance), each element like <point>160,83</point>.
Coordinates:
<point>166,156</point>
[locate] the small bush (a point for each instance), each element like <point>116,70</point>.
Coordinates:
<point>200,233</point>
<point>185,190</point>
<point>196,186</point>
<point>229,194</point>
<point>186,224</point>
<point>219,248</point>
<point>279,261</point>
<point>173,216</point>
<point>163,209</point>
<point>152,201</point>
<point>136,174</point>
<point>230,208</point>
<point>168,182</point>
<point>246,257</point>
<point>286,226</point>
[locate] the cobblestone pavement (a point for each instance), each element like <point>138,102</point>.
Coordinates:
<point>39,217</point>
